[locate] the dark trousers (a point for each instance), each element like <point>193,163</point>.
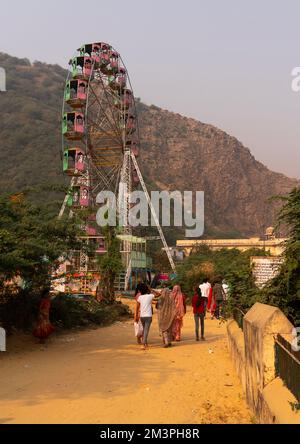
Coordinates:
<point>218,311</point>
<point>199,317</point>
<point>146,323</point>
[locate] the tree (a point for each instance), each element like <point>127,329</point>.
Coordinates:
<point>284,290</point>
<point>32,239</point>
<point>110,265</point>
<point>233,265</point>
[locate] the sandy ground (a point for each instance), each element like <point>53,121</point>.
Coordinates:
<point>101,376</point>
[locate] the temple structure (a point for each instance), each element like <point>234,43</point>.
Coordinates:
<point>270,243</point>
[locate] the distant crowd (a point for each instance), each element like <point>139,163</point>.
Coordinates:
<point>171,309</point>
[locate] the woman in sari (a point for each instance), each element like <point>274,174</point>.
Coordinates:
<point>44,327</point>
<point>219,297</point>
<point>211,303</point>
<point>216,299</point>
<point>166,311</point>
<point>179,299</point>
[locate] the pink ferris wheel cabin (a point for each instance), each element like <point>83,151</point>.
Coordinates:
<point>82,67</point>
<point>127,98</point>
<point>135,149</point>
<point>73,125</point>
<point>130,124</point>
<point>113,62</point>
<point>78,196</point>
<point>132,144</point>
<point>125,101</point>
<point>76,93</point>
<point>117,80</point>
<point>74,161</point>
<point>135,177</point>
<point>99,52</point>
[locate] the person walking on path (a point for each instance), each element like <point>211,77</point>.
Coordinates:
<point>198,303</point>
<point>44,327</point>
<point>144,307</point>
<point>211,303</point>
<point>166,310</point>
<point>138,327</point>
<point>179,299</point>
<point>218,297</point>
<point>226,289</point>
<point>205,288</point>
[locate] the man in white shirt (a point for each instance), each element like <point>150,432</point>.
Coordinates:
<point>226,289</point>
<point>205,288</point>
<point>144,311</point>
<point>145,301</point>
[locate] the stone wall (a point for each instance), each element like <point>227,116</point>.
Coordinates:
<point>237,350</point>
<point>253,354</point>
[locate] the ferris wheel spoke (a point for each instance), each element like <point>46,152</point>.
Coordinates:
<point>96,129</point>
<point>100,115</point>
<point>109,95</point>
<point>100,127</point>
<point>106,181</point>
<point>113,125</point>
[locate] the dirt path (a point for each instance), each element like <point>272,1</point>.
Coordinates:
<point>102,376</point>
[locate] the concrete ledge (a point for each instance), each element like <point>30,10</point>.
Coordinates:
<point>261,324</point>
<point>275,404</point>
<point>237,350</point>
<point>253,353</point>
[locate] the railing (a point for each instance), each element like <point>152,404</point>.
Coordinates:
<point>238,316</point>
<point>287,365</point>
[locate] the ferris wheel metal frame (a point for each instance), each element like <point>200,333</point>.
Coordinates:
<point>106,116</point>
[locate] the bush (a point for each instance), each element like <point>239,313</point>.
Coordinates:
<point>284,290</point>
<point>20,312</point>
<point>69,313</point>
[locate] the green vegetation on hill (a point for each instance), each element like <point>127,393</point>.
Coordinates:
<point>30,124</point>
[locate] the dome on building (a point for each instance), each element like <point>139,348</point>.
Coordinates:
<point>270,232</point>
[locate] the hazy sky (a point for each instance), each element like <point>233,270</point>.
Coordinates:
<point>227,63</point>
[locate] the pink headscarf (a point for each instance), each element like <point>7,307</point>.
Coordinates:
<point>178,296</point>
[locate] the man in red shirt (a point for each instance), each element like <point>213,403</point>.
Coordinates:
<point>198,303</point>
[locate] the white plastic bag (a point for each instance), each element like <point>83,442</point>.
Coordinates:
<point>138,329</point>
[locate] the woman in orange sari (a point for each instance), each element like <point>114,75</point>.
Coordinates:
<point>44,327</point>
<point>211,304</point>
<point>179,298</point>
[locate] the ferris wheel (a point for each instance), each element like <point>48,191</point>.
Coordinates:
<point>100,137</point>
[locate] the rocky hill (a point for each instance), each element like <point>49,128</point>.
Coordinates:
<point>177,153</point>
<point>185,154</point>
